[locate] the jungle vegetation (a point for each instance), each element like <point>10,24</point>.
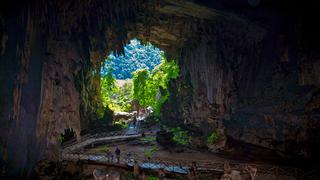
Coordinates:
<point>142,73</point>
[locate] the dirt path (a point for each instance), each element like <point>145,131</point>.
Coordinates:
<point>139,149</point>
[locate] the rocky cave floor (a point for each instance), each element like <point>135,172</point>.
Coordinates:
<point>147,146</point>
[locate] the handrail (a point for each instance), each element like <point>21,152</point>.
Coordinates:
<point>201,167</point>
<point>69,154</point>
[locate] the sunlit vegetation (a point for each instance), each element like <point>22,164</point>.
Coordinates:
<point>108,87</point>
<point>152,90</point>
<point>117,98</point>
<point>150,72</point>
<point>136,56</point>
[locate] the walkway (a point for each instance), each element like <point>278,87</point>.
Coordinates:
<point>215,169</point>
<point>93,141</point>
<point>72,152</point>
<point>131,133</point>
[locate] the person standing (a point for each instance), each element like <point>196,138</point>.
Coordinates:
<point>192,175</point>
<point>118,152</point>
<point>110,156</point>
<point>136,170</point>
<point>161,174</point>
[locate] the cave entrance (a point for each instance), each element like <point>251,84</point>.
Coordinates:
<point>135,84</point>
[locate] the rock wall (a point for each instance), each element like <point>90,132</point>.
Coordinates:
<point>254,83</point>
<point>21,72</point>
<point>50,57</point>
<point>247,79</point>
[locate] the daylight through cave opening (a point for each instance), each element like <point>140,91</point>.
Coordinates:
<point>134,85</point>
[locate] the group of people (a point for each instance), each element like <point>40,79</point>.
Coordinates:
<point>117,153</point>
<point>110,156</point>
<point>136,168</point>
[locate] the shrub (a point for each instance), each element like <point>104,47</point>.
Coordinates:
<point>180,136</point>
<point>149,152</point>
<point>213,137</point>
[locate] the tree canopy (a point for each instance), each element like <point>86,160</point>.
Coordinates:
<point>150,72</point>
<point>152,90</point>
<point>136,56</point>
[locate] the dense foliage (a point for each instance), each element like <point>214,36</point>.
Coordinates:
<point>140,89</point>
<point>150,80</point>
<point>122,100</point>
<point>108,87</point>
<point>116,97</point>
<point>152,90</point>
<point>136,56</point>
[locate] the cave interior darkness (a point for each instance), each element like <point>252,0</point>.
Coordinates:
<point>230,85</point>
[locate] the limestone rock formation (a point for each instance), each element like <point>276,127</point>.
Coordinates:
<point>254,79</point>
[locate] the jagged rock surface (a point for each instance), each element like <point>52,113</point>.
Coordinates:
<point>245,79</point>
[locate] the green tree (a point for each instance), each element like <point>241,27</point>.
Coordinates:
<point>213,136</point>
<point>159,82</point>
<point>108,88</point>
<point>152,90</point>
<point>140,78</point>
<point>136,56</point>
<point>148,89</point>
<point>123,96</point>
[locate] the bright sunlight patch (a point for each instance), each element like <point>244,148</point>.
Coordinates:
<point>141,74</point>
<point>136,56</point>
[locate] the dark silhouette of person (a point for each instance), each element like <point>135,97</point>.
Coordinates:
<point>110,156</point>
<point>117,152</point>
<point>136,171</point>
<point>192,172</point>
<point>161,174</point>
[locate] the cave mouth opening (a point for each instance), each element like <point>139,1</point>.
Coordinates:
<point>134,84</point>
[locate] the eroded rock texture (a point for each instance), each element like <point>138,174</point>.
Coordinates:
<point>250,82</point>
<point>255,81</point>
<point>48,57</point>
